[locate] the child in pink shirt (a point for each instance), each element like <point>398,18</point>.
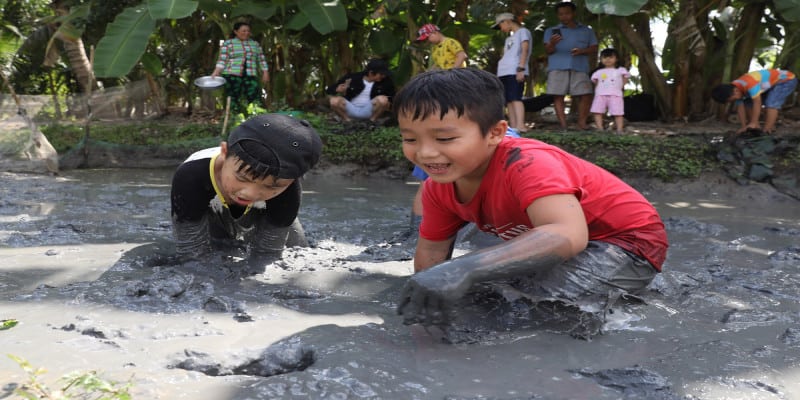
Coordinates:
<point>609,83</point>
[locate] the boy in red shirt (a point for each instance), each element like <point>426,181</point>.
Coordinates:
<point>573,230</point>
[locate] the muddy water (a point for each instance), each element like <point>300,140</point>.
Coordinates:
<point>86,268</point>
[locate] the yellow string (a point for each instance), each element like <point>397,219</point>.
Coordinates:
<point>216,188</point>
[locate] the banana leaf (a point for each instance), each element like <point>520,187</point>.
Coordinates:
<point>789,9</point>
<point>124,43</point>
<point>325,16</point>
<point>615,7</point>
<point>255,8</point>
<point>171,9</point>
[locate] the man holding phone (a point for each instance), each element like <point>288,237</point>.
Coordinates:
<point>569,46</point>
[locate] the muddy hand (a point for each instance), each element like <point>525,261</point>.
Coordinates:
<point>426,297</point>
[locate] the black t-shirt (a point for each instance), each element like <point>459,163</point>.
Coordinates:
<point>192,193</point>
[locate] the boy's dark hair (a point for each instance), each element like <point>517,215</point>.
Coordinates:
<point>474,93</point>
<point>566,4</point>
<point>721,93</point>
<point>275,145</point>
<point>377,66</point>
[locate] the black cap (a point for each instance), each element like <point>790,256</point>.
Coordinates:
<point>276,145</point>
<point>378,66</point>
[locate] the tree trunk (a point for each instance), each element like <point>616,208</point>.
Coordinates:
<point>641,23</point>
<point>747,33</point>
<point>690,48</point>
<point>79,63</point>
<point>76,54</point>
<point>647,66</point>
<point>461,15</point>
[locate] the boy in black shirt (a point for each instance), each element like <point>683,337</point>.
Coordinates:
<point>246,191</point>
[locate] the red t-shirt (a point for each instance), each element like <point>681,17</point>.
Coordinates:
<point>523,170</point>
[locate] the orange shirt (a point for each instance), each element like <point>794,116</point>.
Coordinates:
<point>752,84</point>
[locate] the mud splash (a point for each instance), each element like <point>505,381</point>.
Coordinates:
<point>88,271</point>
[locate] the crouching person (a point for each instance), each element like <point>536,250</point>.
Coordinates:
<point>245,193</point>
<point>574,233</point>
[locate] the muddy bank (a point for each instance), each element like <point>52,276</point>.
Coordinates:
<point>88,272</point>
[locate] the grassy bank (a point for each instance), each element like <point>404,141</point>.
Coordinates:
<point>667,158</point>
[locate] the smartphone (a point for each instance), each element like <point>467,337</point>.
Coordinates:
<point>556,31</point>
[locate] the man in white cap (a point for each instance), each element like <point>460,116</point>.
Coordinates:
<point>513,67</point>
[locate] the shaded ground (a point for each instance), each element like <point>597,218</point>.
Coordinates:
<point>87,271</point>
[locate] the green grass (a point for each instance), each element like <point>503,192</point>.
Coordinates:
<point>662,157</point>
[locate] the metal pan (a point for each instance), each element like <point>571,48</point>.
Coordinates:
<point>209,82</point>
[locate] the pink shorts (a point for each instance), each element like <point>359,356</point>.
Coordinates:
<point>613,104</point>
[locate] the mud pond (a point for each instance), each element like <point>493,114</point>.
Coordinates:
<point>85,268</point>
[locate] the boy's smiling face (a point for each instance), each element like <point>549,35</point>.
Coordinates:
<point>449,149</point>
<point>239,187</point>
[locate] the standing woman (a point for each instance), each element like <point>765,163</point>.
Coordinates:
<point>239,60</point>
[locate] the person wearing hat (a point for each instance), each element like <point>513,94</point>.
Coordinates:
<point>568,46</point>
<point>513,67</point>
<point>246,191</point>
<point>364,95</point>
<point>446,52</point>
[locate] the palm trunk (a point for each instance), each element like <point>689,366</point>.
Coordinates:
<point>647,66</point>
<point>747,34</point>
<point>79,63</point>
<point>690,49</point>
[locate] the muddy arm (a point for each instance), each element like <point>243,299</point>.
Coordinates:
<point>268,241</point>
<point>428,293</point>
<point>192,240</point>
<point>561,234</point>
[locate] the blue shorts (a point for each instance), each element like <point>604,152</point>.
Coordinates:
<point>776,96</point>
<point>421,175</point>
<point>363,111</point>
<point>513,88</point>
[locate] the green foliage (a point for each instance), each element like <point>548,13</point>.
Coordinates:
<point>325,17</point>
<point>173,9</point>
<point>789,9</point>
<point>124,43</point>
<point>615,7</point>
<point>76,385</point>
<point>378,147</point>
<point>65,137</point>
<point>665,158</point>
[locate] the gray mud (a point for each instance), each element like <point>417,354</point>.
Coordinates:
<point>88,271</point>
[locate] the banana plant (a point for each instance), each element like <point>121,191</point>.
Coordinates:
<point>127,37</point>
<point>615,7</point>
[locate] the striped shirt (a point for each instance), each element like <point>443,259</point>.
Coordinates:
<point>752,84</point>
<point>236,55</point>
